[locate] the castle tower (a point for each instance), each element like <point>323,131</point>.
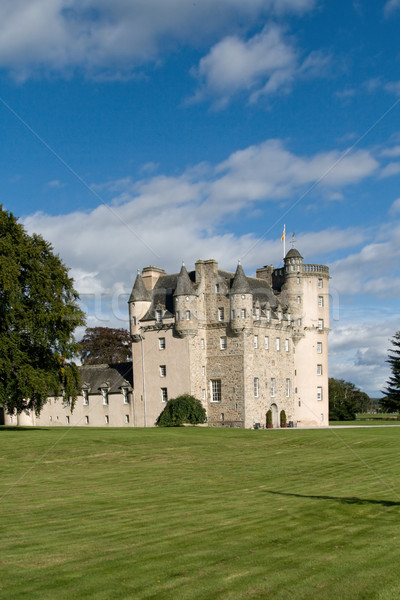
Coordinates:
<point>241,302</point>
<point>139,303</point>
<point>292,286</point>
<point>185,300</point>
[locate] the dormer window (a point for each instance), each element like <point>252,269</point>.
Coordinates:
<point>221,314</point>
<point>104,393</point>
<point>85,394</point>
<point>158,316</point>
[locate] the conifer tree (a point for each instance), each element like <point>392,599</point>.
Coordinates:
<point>38,314</point>
<point>391,399</point>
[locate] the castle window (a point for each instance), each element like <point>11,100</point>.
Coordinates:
<point>256,387</point>
<point>187,315</point>
<point>266,342</point>
<point>243,313</point>
<point>319,393</point>
<point>203,394</point>
<point>86,420</point>
<point>161,343</point>
<point>164,395</point>
<point>126,418</point>
<point>125,392</point>
<point>298,279</point>
<point>268,314</point>
<point>233,314</point>
<point>202,343</point>
<point>298,299</point>
<point>273,386</point>
<point>203,371</point>
<point>320,301</point>
<point>320,283</point>
<point>107,420</point>
<point>178,315</point>
<point>319,369</point>
<point>67,419</point>
<point>287,388</point>
<point>255,341</point>
<point>221,314</point>
<point>299,322</point>
<point>279,316</point>
<point>289,318</point>
<point>223,342</point>
<point>287,345</point>
<point>278,344</point>
<point>319,347</point>
<point>222,416</point>
<point>133,321</point>
<point>320,324</point>
<point>257,313</point>
<point>163,371</point>
<point>159,316</point>
<point>215,390</point>
<point>104,393</point>
<point>85,394</point>
<point>217,288</point>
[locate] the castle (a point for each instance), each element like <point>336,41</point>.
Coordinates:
<point>245,346</point>
<point>242,345</point>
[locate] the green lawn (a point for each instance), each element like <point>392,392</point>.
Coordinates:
<point>197,513</point>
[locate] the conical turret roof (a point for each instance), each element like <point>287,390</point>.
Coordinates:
<point>139,291</point>
<point>184,286</point>
<point>240,285</point>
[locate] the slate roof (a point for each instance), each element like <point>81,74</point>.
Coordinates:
<point>240,284</point>
<point>293,253</point>
<point>184,286</point>
<point>139,291</point>
<point>116,375</point>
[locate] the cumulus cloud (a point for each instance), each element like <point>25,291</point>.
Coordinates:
<point>260,65</point>
<point>112,38</point>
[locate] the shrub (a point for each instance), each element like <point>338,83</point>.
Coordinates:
<point>183,409</point>
<point>283,419</point>
<point>269,419</point>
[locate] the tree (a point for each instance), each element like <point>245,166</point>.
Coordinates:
<point>391,399</point>
<point>105,345</point>
<point>38,314</point>
<point>345,400</point>
<point>183,409</point>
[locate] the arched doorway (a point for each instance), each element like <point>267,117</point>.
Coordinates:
<point>275,416</point>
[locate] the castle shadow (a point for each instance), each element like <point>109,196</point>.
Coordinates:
<point>342,499</point>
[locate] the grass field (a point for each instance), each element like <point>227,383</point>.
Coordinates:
<point>197,513</point>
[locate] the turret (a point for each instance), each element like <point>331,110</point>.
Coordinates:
<point>185,300</point>
<point>293,285</point>
<point>139,303</point>
<point>241,302</point>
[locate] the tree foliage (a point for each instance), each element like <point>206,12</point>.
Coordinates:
<point>38,314</point>
<point>105,345</point>
<point>183,409</point>
<point>391,399</point>
<point>345,400</point>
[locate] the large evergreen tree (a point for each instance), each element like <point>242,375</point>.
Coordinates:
<point>345,400</point>
<point>38,314</point>
<point>391,399</point>
<point>105,345</point>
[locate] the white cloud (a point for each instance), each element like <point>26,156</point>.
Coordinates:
<point>395,208</point>
<point>389,170</point>
<point>261,65</point>
<point>112,38</point>
<point>393,87</point>
<point>390,7</point>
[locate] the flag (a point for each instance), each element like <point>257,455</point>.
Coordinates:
<point>283,234</point>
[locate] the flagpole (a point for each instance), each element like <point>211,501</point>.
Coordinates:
<point>284,242</point>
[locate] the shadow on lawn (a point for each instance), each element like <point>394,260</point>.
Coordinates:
<point>19,428</point>
<point>345,500</point>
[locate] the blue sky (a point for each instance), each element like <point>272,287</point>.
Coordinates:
<point>156,131</point>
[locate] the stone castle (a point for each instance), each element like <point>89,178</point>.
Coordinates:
<point>245,346</point>
<point>242,345</point>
